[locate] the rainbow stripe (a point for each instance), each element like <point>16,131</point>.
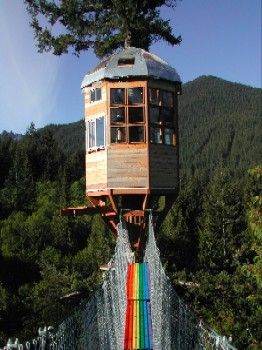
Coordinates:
<point>138,330</point>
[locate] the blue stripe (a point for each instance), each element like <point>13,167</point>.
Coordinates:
<point>146,326</point>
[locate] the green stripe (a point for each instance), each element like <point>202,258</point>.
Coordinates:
<point>141,326</point>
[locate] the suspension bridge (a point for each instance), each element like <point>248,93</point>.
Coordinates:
<point>136,307</point>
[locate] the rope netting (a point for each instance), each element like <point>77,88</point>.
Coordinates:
<point>99,324</point>
<point>174,324</point>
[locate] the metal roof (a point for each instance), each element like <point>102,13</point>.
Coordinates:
<point>131,62</point>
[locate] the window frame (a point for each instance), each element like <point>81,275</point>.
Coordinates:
<point>95,90</point>
<point>161,125</point>
<point>127,111</point>
<point>94,121</point>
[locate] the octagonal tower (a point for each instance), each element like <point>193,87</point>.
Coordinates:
<point>131,119</point>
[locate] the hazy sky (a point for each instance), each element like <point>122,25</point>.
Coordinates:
<point>221,38</point>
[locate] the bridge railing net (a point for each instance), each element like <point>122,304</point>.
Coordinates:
<point>99,324</point>
<point>174,325</point>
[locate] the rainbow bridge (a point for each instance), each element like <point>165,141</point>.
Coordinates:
<point>136,307</point>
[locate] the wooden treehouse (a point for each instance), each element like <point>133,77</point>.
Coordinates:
<point>131,119</point>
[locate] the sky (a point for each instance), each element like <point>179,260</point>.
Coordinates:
<point>220,38</point>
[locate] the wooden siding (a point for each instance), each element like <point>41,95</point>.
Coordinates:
<point>93,110</point>
<point>163,166</point>
<point>96,170</point>
<point>127,166</point>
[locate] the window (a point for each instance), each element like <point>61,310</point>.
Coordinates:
<point>91,134</point>
<point>122,62</point>
<point>127,120</point>
<point>96,133</point>
<point>161,116</point>
<point>117,97</point>
<point>135,96</point>
<point>95,95</point>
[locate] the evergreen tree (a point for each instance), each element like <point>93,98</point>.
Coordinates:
<point>254,216</point>
<point>252,269</point>
<point>222,231</point>
<point>19,191</point>
<point>7,151</point>
<point>99,24</point>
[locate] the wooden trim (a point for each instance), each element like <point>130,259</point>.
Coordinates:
<point>126,83</point>
<point>145,202</point>
<point>112,200</point>
<point>126,106</point>
<point>127,212</point>
<point>97,193</point>
<point>77,211</point>
<point>119,191</point>
<point>128,145</point>
<point>97,201</point>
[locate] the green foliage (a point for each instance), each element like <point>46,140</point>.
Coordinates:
<point>101,25</point>
<point>47,262</point>
<point>252,269</point>
<point>13,236</point>
<point>179,232</point>
<point>7,150</point>
<point>222,229</point>
<point>210,242</point>
<point>220,124</point>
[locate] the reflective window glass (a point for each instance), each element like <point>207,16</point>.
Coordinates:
<point>167,99</point>
<point>154,96</point>
<point>100,132</point>
<point>135,95</point>
<point>155,135</point>
<point>167,115</point>
<point>117,115</point>
<point>117,96</point>
<point>154,114</point>
<point>136,134</point>
<point>168,136</point>
<point>91,134</point>
<point>95,95</point>
<point>135,114</point>
<point>118,135</point>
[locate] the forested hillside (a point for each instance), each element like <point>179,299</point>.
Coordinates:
<point>210,242</point>
<point>220,123</point>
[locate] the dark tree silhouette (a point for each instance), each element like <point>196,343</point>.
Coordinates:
<point>102,25</point>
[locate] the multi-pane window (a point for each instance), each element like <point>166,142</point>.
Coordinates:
<point>127,117</point>
<point>95,131</point>
<point>95,95</point>
<point>161,116</point>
